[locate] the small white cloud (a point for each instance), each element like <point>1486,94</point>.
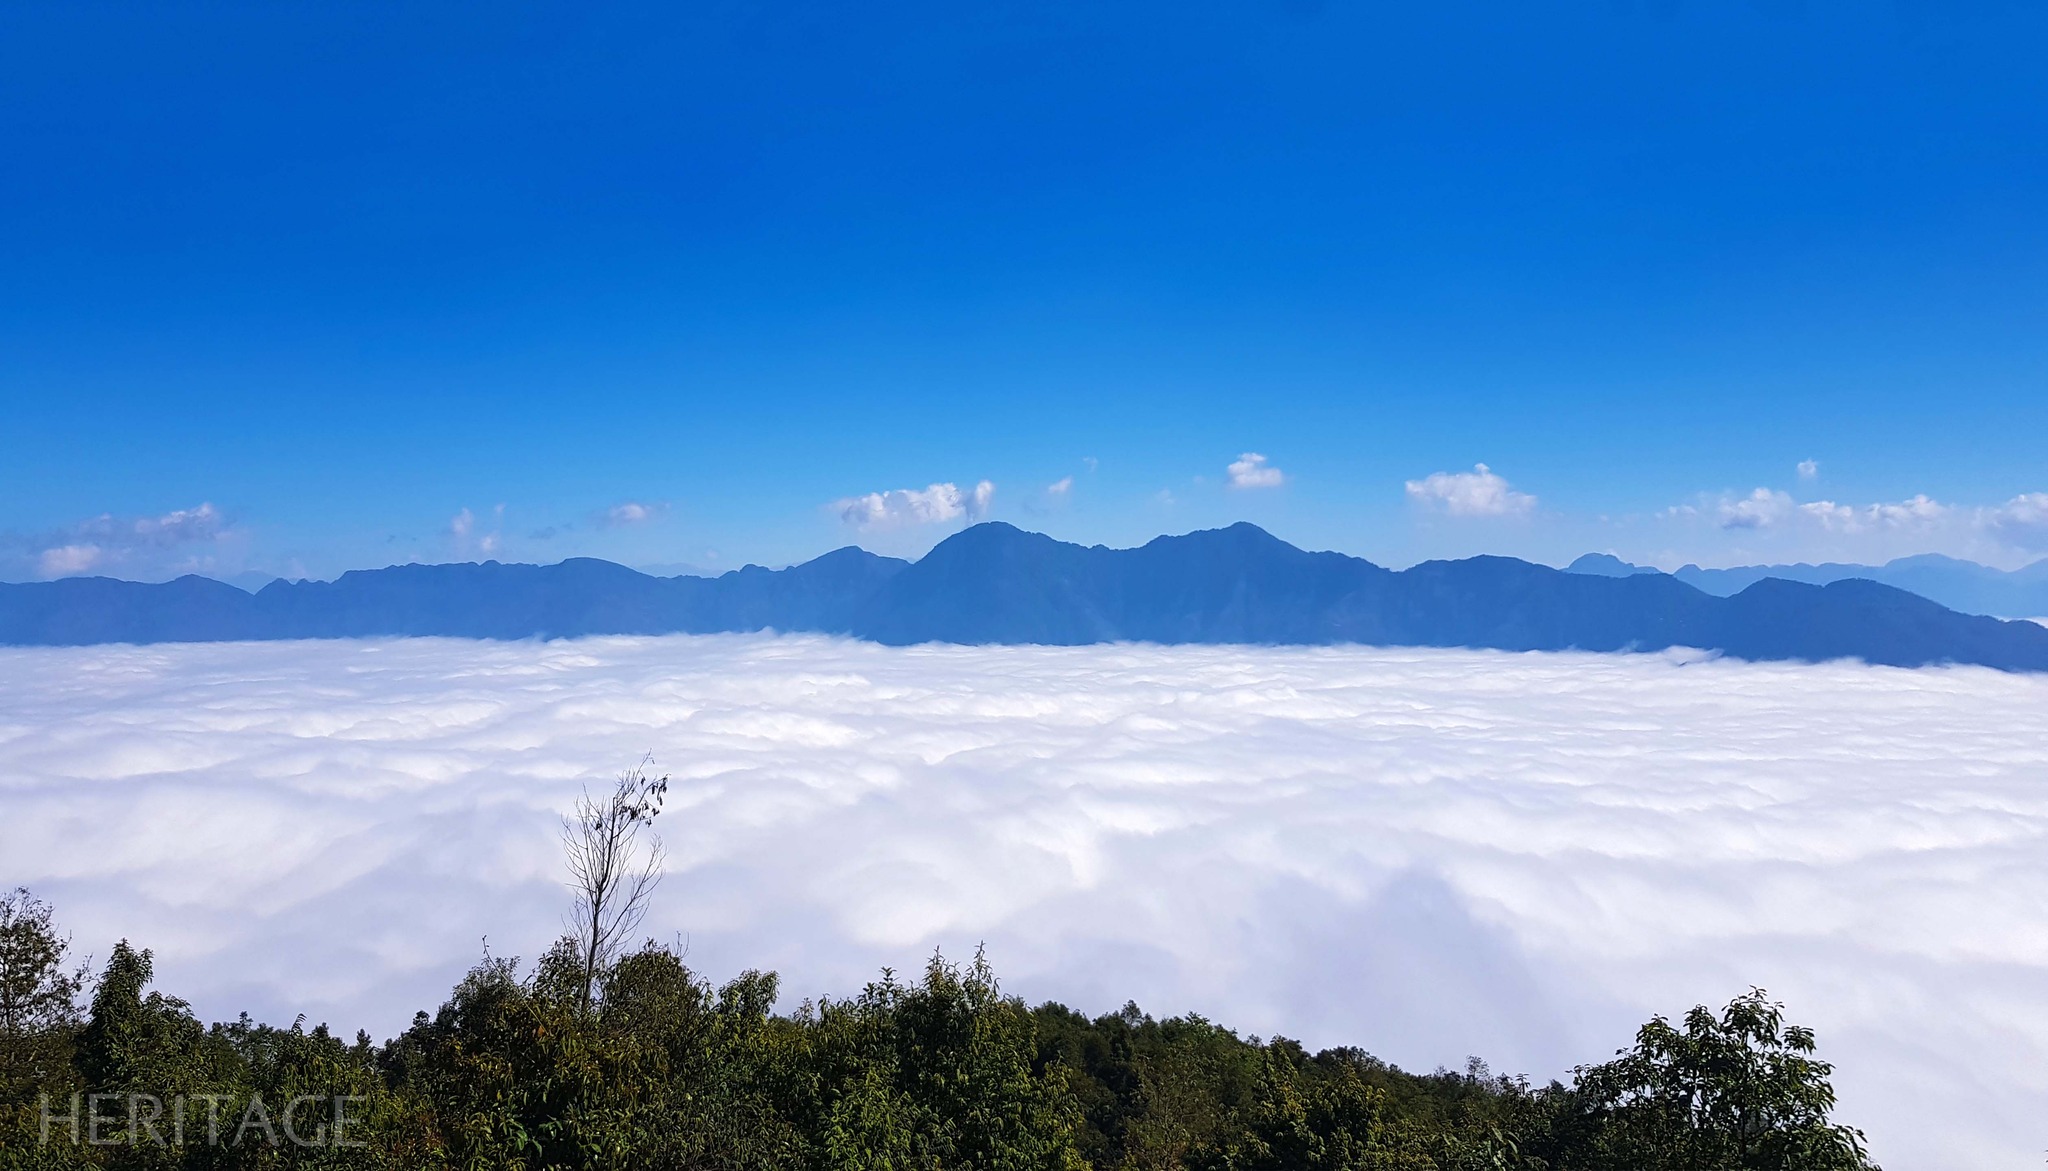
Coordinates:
<point>1915,513</point>
<point>1479,492</point>
<point>1839,517</point>
<point>1759,510</point>
<point>1808,469</point>
<point>632,512</point>
<point>1250,470</point>
<point>176,528</point>
<point>901,507</point>
<point>65,560</point>
<point>466,538</point>
<point>1059,488</point>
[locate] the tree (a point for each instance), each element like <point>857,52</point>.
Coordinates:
<point>936,1073</point>
<point>36,994</point>
<point>131,1041</point>
<point>38,997</point>
<point>611,869</point>
<point>1737,1092</point>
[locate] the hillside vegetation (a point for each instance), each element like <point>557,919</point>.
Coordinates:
<point>657,1068</point>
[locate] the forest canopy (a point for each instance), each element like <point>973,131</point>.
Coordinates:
<point>649,1065</point>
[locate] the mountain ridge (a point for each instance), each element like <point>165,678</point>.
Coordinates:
<point>997,584</point>
<point>1960,585</point>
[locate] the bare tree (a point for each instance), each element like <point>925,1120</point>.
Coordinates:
<point>611,868</point>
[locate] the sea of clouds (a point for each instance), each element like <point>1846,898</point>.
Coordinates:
<point>1428,853</point>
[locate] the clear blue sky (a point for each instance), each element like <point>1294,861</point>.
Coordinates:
<point>289,287</point>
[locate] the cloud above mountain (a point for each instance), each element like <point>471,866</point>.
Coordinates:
<point>1759,509</point>
<point>198,539</point>
<point>1432,853</point>
<point>1821,529</point>
<point>902,507</point>
<point>627,514</point>
<point>467,538</point>
<point>2023,520</point>
<point>1252,470</point>
<point>1479,492</point>
<point>1768,507</point>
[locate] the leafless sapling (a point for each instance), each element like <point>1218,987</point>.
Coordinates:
<point>614,864</point>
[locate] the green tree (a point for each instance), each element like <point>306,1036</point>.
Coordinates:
<point>132,1041</point>
<point>936,1074</point>
<point>39,1022</point>
<point>38,998</point>
<point>1741,1091</point>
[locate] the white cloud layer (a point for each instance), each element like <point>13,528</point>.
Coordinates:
<point>1479,492</point>
<point>902,507</point>
<point>1251,470</point>
<point>1429,853</point>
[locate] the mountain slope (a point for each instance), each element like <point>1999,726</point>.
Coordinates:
<point>81,611</point>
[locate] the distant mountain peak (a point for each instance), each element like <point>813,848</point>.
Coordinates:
<point>1242,534</point>
<point>1960,585</point>
<point>990,534</point>
<point>1607,565</point>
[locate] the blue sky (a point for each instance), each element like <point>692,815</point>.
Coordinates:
<point>297,288</point>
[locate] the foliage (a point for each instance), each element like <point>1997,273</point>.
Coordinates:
<point>1738,1091</point>
<point>648,1066</point>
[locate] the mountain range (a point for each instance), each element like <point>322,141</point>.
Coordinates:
<point>1959,585</point>
<point>994,583</point>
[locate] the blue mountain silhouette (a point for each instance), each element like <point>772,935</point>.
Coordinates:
<point>1959,585</point>
<point>994,583</point>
